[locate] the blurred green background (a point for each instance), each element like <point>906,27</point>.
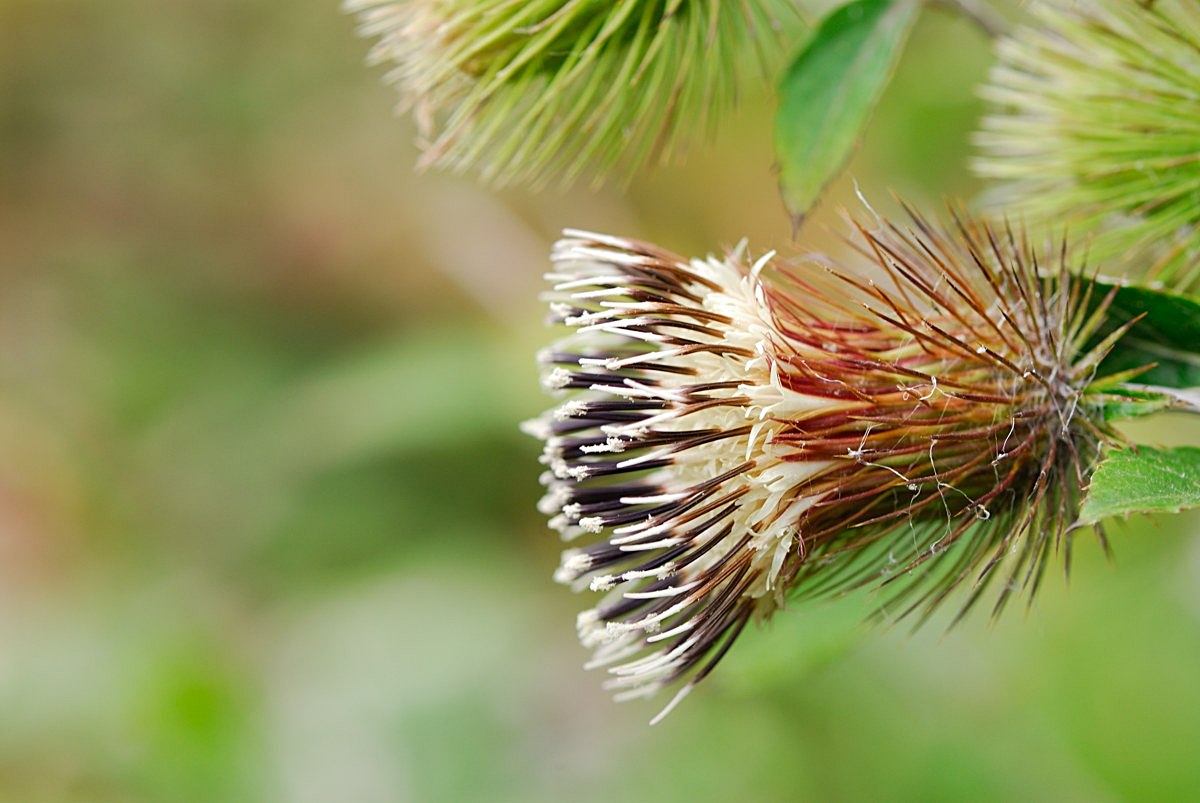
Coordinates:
<point>267,526</point>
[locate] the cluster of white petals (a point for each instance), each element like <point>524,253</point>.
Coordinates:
<point>665,448</point>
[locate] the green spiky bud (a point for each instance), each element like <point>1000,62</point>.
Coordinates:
<point>529,92</point>
<point>1097,129</point>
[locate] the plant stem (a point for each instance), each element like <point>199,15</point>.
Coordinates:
<point>980,13</point>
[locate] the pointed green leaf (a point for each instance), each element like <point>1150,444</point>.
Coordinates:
<point>829,90</point>
<point>1143,480</point>
<point>1167,335</point>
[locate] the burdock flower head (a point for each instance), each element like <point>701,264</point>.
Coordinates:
<point>734,434</point>
<point>527,91</point>
<point>1097,125</point>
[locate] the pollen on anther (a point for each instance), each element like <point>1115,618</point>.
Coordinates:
<point>592,524</point>
<point>602,582</point>
<point>571,409</point>
<point>557,379</point>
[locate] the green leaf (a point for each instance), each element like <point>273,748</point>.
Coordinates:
<point>829,90</point>
<point>1143,480</point>
<point>1168,334</point>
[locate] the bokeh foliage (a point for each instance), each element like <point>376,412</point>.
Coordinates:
<point>266,523</point>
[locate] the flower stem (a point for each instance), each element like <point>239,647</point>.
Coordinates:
<point>980,13</point>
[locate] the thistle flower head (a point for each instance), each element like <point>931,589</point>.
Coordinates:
<point>733,435</point>
<point>527,91</point>
<point>1097,126</point>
